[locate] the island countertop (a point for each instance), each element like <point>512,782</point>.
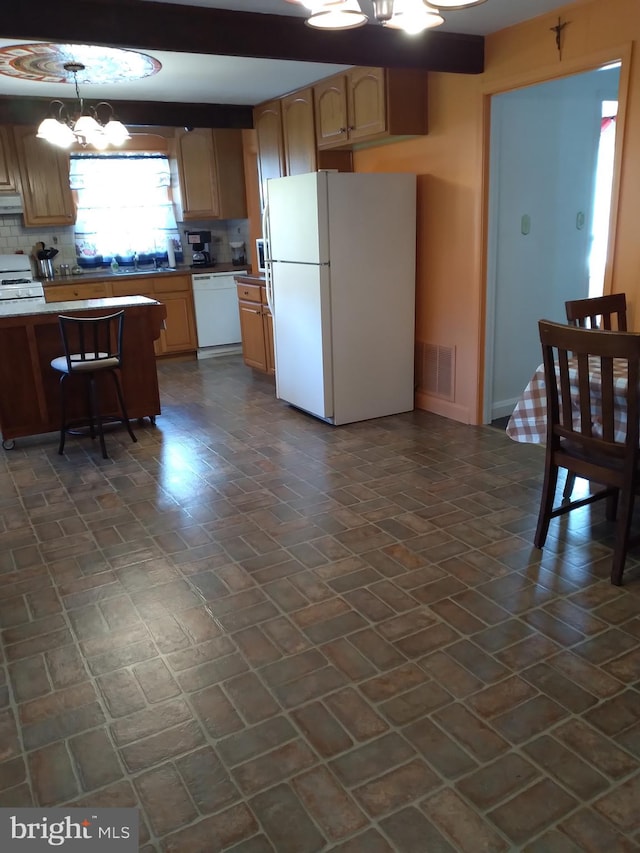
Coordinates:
<point>32,307</point>
<point>29,341</point>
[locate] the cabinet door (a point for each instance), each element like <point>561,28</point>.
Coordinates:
<point>267,121</point>
<point>267,325</point>
<point>44,174</point>
<point>299,132</point>
<point>330,98</point>
<point>73,292</point>
<point>8,167</point>
<point>252,331</point>
<point>198,174</point>
<point>366,102</point>
<point>179,332</point>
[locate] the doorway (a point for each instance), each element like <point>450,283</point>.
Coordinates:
<point>545,141</point>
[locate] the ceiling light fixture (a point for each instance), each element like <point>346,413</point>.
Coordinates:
<point>86,127</point>
<point>412,16</point>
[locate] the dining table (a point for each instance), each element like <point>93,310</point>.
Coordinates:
<point>528,421</point>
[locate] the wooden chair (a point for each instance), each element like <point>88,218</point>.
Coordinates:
<point>595,454</point>
<point>599,312</point>
<point>92,346</point>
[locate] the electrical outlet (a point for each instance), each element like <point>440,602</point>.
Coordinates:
<point>54,239</point>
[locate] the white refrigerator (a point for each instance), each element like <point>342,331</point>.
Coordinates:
<point>340,275</point>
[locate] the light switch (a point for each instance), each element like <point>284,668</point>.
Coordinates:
<point>580,220</point>
<point>525,224</point>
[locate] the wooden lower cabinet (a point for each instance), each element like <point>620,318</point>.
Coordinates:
<point>256,324</point>
<point>178,336</point>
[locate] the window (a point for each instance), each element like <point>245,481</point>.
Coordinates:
<point>124,207</point>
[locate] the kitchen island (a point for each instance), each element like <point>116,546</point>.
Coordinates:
<point>30,339</point>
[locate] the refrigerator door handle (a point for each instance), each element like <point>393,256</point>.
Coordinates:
<point>267,260</point>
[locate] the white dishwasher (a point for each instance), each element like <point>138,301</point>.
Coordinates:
<point>216,303</point>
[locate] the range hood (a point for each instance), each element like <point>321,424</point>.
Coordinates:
<point>10,203</point>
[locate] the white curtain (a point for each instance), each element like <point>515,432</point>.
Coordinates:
<point>124,206</point>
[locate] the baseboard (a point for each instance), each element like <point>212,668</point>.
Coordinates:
<point>224,349</point>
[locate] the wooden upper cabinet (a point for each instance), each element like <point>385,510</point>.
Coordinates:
<point>299,133</point>
<point>331,111</point>
<point>370,103</point>
<point>210,174</point>
<point>44,175</point>
<point>267,121</point>
<point>8,165</point>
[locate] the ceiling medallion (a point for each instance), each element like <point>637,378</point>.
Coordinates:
<point>45,63</point>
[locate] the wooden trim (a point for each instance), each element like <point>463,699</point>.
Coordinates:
<point>195,29</point>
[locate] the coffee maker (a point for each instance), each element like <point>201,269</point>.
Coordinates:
<point>198,240</point>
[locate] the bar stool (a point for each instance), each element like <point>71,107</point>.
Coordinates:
<point>92,345</point>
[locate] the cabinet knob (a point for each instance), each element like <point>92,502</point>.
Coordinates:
<point>342,129</point>
<point>257,312</point>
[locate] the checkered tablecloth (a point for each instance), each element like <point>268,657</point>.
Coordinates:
<point>528,422</point>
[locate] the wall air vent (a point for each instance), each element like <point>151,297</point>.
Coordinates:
<point>435,370</point>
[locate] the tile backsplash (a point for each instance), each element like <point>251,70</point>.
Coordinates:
<point>15,237</point>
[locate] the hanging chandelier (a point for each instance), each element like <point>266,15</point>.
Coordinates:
<point>96,126</point>
<point>412,16</point>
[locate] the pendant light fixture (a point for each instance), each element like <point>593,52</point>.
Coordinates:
<point>412,16</point>
<point>96,126</point>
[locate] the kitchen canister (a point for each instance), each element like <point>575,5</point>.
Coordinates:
<point>45,268</point>
<point>64,270</point>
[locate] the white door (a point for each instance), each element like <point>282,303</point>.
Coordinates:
<point>298,218</point>
<point>302,333</point>
<point>544,143</point>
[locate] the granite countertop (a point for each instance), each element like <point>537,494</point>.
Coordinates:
<point>32,307</point>
<point>88,276</point>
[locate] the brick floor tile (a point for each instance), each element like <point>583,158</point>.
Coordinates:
<point>256,647</point>
<point>161,746</point>
<point>614,715</point>
<point>531,811</point>
<point>285,821</point>
<point>250,698</point>
<point>29,678</point>
<point>372,759</point>
<point>378,651</point>
<point>333,809</point>
<point>595,747</point>
<point>273,767</point>
<point>207,780</point>
<point>475,735</point>
<point>12,773</point>
<point>489,785</point>
<point>66,666</point>
<point>469,831</point>
<point>216,712</point>
<point>285,636</point>
<point>590,678</point>
<point>150,721</point>
<point>442,753</point>
<point>321,729</point>
<point>95,759</point>
<point>52,775</point>
<point>417,619</point>
<point>121,693</point>
<point>215,833</point>
<point>411,832</point>
<point>553,842</point>
<point>165,799</point>
<point>559,688</point>
<point>397,788</point>
<point>391,683</point>
<point>529,719</point>
<point>570,770</point>
<point>592,833</point>
<point>371,841</point>
<point>19,797</point>
<point>355,714</point>
<point>415,703</point>
<point>248,744</point>
<point>479,663</point>
<point>156,680</point>
<point>620,805</point>
<point>427,641</point>
<point>313,686</point>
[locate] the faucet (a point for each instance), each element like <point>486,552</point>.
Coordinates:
<point>135,261</point>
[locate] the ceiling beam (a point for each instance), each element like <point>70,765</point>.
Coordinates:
<point>194,29</point>
<point>31,111</point>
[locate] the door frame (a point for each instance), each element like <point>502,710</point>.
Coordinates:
<point>593,62</point>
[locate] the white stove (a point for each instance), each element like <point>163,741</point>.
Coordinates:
<point>16,279</point>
